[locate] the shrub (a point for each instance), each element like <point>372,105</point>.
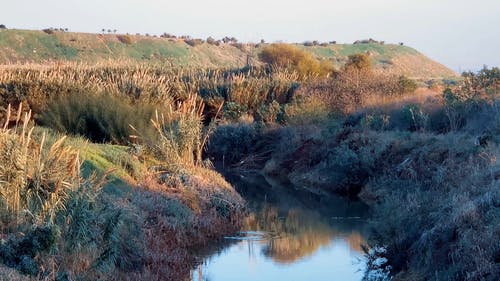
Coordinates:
<point>211,41</point>
<point>241,46</point>
<point>271,113</point>
<point>307,110</point>
<point>125,39</point>
<point>231,143</point>
<point>360,62</point>
<point>407,85</point>
<point>48,31</point>
<point>290,57</point>
<point>193,42</point>
<point>414,118</point>
<point>2,26</point>
<point>100,118</point>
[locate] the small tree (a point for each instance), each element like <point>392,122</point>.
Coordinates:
<point>2,26</point>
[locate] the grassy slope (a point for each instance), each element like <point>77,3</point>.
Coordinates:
<point>194,207</point>
<point>36,46</point>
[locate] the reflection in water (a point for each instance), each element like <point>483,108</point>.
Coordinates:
<point>290,235</point>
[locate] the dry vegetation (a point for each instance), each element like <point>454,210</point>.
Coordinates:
<point>428,166</point>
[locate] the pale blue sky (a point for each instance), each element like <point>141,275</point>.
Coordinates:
<point>462,34</point>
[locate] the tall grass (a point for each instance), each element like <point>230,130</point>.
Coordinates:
<point>100,118</point>
<point>34,181</point>
<point>180,130</point>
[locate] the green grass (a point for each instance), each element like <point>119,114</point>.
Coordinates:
<point>18,45</point>
<point>35,45</point>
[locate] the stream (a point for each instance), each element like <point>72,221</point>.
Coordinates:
<point>290,234</point>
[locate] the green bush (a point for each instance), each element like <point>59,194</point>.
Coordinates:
<point>407,85</point>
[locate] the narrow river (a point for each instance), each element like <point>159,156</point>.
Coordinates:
<point>290,234</point>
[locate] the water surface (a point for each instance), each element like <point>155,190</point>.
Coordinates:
<point>290,234</point>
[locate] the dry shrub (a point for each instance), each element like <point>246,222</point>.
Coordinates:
<point>125,39</point>
<point>351,90</point>
<point>288,56</point>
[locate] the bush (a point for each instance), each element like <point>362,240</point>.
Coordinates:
<point>290,57</point>
<point>407,85</point>
<point>307,110</point>
<point>2,26</point>
<point>100,118</point>
<point>193,42</point>
<point>49,31</point>
<point>270,113</point>
<point>231,143</point>
<point>125,39</point>
<point>359,62</point>
<point>211,41</point>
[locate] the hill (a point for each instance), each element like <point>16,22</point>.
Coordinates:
<point>30,46</point>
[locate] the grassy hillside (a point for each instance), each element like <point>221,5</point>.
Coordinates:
<point>20,46</point>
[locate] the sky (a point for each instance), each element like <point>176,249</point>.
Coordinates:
<point>461,34</point>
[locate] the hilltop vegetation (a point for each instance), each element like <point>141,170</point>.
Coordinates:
<point>21,46</point>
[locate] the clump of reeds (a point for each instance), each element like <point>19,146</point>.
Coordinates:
<point>180,129</point>
<point>34,181</point>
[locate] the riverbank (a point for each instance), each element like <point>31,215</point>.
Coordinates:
<point>104,212</point>
<point>434,197</point>
<point>170,214</point>
<point>428,168</point>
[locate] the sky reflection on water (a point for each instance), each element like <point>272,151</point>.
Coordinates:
<point>291,235</point>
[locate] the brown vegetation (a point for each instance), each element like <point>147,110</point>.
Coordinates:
<point>290,57</point>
